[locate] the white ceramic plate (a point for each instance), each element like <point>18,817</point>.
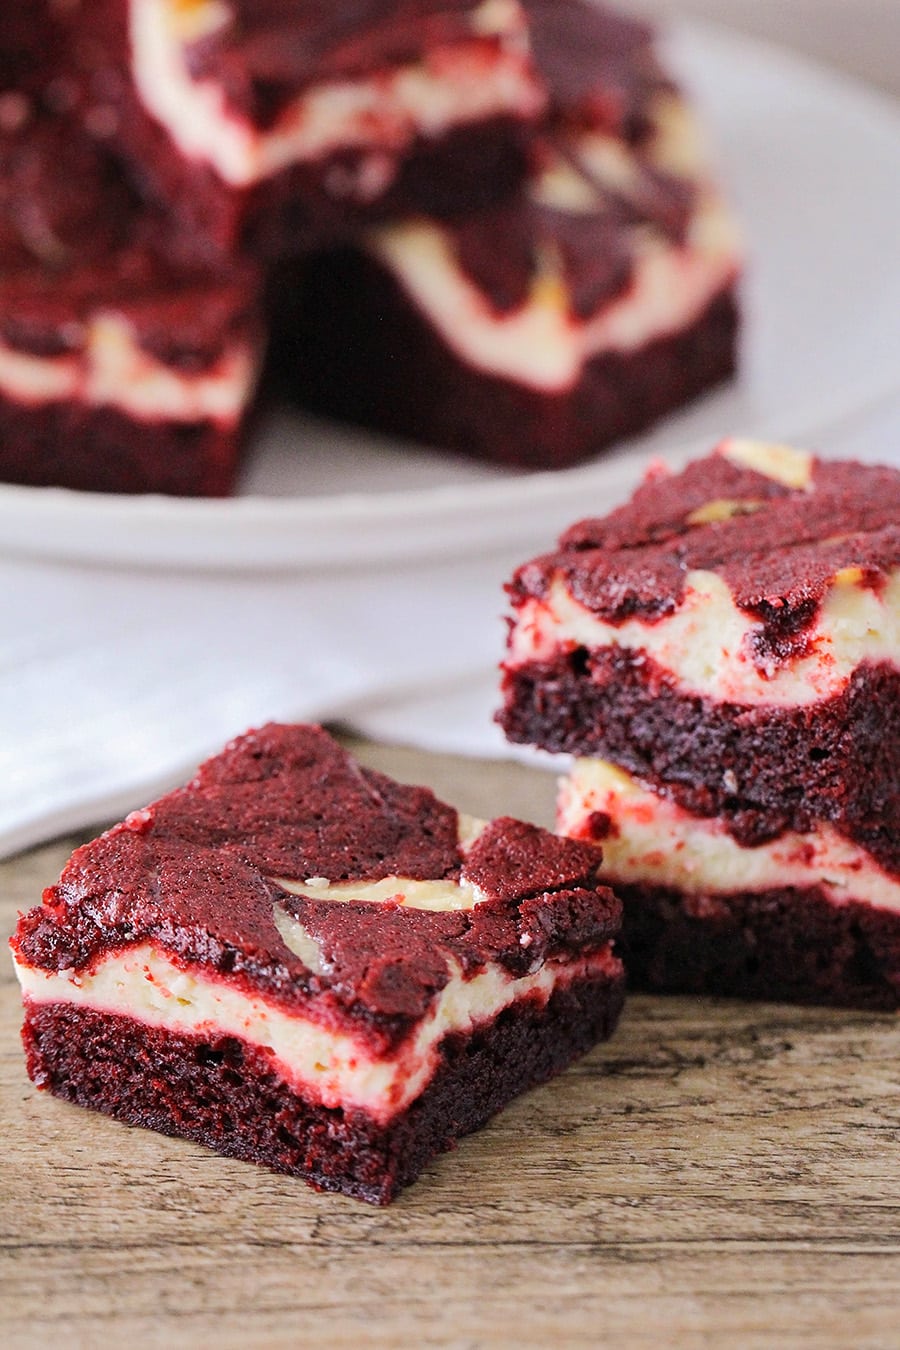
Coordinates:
<point>812,163</point>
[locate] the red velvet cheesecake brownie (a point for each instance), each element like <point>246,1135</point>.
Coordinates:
<point>274,124</point>
<point>298,961</point>
<point>543,327</point>
<point>723,656</point>
<point>121,369</point>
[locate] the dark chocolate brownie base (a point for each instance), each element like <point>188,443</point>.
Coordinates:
<point>348,336</point>
<point>223,1093</point>
<point>762,770</point>
<point>792,945</point>
<point>100,449</point>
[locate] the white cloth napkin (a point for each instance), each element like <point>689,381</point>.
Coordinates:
<point>114,684</point>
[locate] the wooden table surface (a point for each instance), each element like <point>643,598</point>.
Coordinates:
<point>717,1175</point>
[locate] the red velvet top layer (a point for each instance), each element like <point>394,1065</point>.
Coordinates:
<point>194,874</point>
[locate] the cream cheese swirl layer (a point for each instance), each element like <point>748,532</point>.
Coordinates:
<point>540,343</point>
<point>383,114</point>
<point>706,647</point>
<point>655,842</point>
<point>111,370</point>
<point>143,984</point>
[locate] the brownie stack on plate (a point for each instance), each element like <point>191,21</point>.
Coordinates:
<point>722,655</point>
<point>486,224</point>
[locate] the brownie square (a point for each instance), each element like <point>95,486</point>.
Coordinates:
<point>299,962</point>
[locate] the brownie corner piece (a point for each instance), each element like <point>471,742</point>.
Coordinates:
<point>124,367</point>
<point>296,961</point>
<point>549,323</point>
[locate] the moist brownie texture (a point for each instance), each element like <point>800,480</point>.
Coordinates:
<point>570,314</point>
<point>300,962</point>
<point>121,369</point>
<point>722,654</point>
<point>274,125</point>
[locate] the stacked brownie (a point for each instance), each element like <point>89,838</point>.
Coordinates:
<point>722,654</point>
<point>483,223</point>
<point>299,962</point>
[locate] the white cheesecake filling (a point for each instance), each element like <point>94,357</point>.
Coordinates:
<point>438,896</point>
<point>330,1066</point>
<point>385,112</point>
<point>405,892</point>
<point>540,343</point>
<point>110,369</point>
<point>784,464</point>
<point>657,842</point>
<point>705,647</point>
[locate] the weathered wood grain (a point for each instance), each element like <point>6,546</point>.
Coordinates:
<point>718,1175</point>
